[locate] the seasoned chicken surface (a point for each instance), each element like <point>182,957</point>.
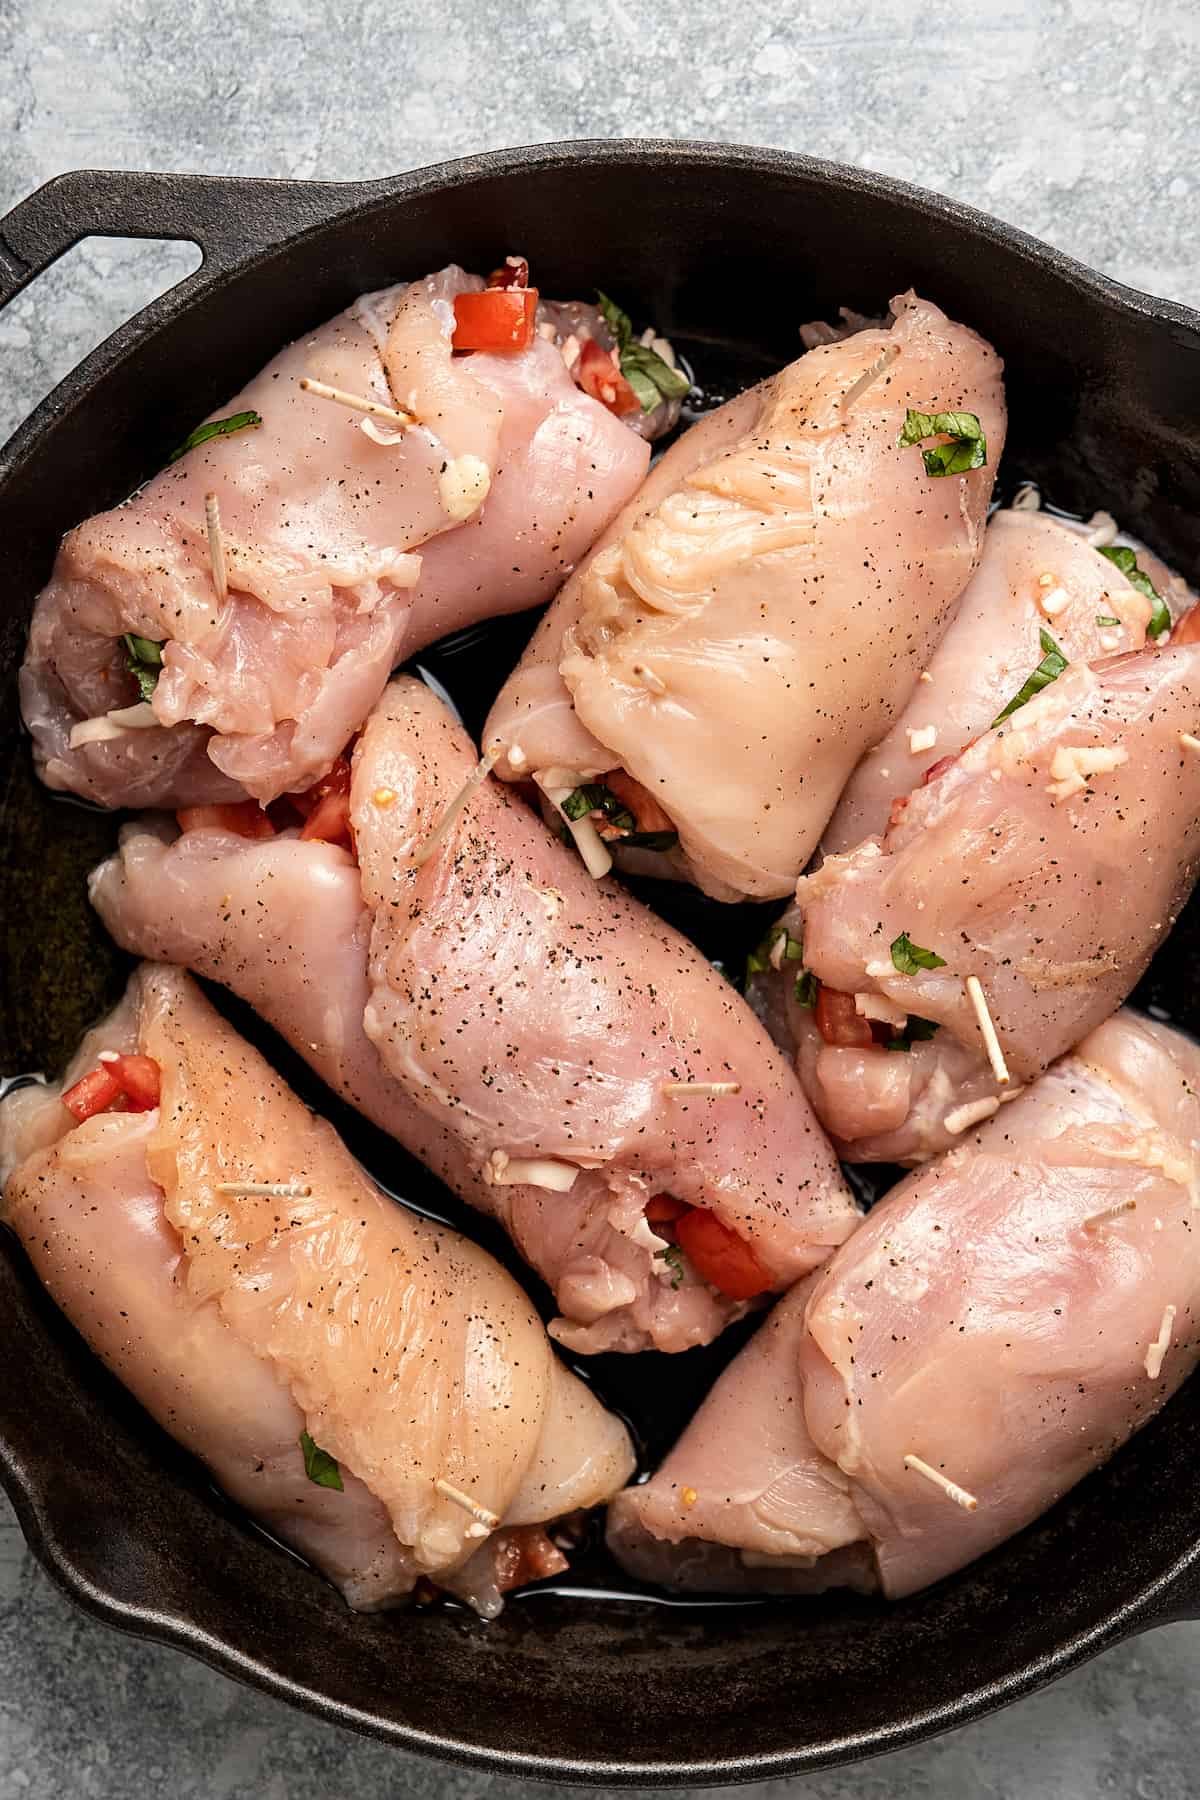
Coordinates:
<point>736,648</point>
<point>227,1258</point>
<point>1038,577</point>
<point>1004,1320</point>
<point>348,542</point>
<point>523,1029</point>
<point>1049,860</point>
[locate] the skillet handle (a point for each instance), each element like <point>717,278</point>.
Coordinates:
<point>230,217</point>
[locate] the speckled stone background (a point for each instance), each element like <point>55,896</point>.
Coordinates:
<point>1077,119</point>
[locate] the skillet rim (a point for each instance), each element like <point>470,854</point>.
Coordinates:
<point>1165,1595</point>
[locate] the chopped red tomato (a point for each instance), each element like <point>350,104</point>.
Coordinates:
<point>92,1093</point>
<point>514,274</point>
<point>245,818</point>
<point>720,1256</point>
<point>662,1208</point>
<point>524,1553</point>
<point>838,1022</point>
<point>140,1080</point>
<point>647,813</point>
<point>497,319</point>
<point>134,1079</point>
<point>939,768</point>
<point>1187,630</point>
<point>598,373</point>
<point>326,806</point>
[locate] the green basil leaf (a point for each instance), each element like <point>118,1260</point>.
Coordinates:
<point>672,1255</point>
<point>1126,560</point>
<point>805,990</point>
<point>908,957</point>
<point>967,449</point>
<point>618,322</point>
<point>1049,669</point>
<point>143,659</point>
<point>593,796</point>
<point>916,1031</point>
<point>243,421</point>
<point>1103,619</point>
<point>651,376</point>
<point>319,1466</point>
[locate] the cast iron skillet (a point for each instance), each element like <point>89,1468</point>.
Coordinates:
<point>727,250</point>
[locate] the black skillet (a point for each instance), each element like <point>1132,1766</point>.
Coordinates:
<point>727,250</point>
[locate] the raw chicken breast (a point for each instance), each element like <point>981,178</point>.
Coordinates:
<point>242,1320</point>
<point>348,543</point>
<point>526,1019</point>
<point>1009,1316</point>
<point>1037,575</point>
<point>1049,861</point>
<point>738,647</point>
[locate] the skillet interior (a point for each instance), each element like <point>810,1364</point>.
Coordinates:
<point>728,252</point>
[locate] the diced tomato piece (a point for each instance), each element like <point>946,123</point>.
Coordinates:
<point>661,1209</point>
<point>1187,630</point>
<point>647,813</point>
<point>524,1553</point>
<point>245,818</point>
<point>497,319</point>
<point>93,1093</point>
<point>838,1022</point>
<point>599,375</point>
<point>514,274</point>
<point>939,767</point>
<point>330,821</point>
<point>720,1256</point>
<point>336,782</point>
<point>326,806</point>
<point>140,1080</point>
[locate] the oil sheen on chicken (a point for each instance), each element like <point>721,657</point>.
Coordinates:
<point>243,1320</point>
<point>759,615</point>
<point>348,543</point>
<point>1008,1317</point>
<point>521,1023</point>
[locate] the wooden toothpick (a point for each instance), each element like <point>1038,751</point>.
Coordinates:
<point>216,546</point>
<point>991,1042</point>
<point>951,1489</point>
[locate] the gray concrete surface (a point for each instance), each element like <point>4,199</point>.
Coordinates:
<point>1075,118</point>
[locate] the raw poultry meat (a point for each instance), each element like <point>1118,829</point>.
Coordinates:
<point>523,1024</point>
<point>1002,1323</point>
<point>759,614</point>
<point>1038,575</point>
<point>1046,862</point>
<point>348,540</point>
<point>223,1253</point>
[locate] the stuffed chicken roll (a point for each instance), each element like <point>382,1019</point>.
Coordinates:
<point>558,1055</point>
<point>758,616</point>
<point>226,630</point>
<point>1002,1323</point>
<point>373,1388</point>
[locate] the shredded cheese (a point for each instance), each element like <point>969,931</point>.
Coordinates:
<point>502,1170</point>
<point>972,1113</point>
<point>1158,1349</point>
<point>112,725</point>
<point>463,485</point>
<point>1073,765</point>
